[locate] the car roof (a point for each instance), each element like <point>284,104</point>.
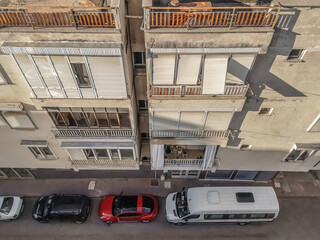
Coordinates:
<point>67,204</point>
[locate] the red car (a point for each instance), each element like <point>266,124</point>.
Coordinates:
<point>141,208</point>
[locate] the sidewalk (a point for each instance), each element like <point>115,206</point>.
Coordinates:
<point>286,185</point>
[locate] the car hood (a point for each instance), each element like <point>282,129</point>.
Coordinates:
<point>171,208</point>
<point>105,208</point>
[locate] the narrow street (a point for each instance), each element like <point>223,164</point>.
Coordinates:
<point>298,220</point>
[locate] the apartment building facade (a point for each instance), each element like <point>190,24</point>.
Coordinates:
<point>221,90</point>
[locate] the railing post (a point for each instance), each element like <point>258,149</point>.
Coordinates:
<point>74,19</point>
<point>28,16</point>
<point>231,20</point>
<point>188,19</point>
<point>276,19</point>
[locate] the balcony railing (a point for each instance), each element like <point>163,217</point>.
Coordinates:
<point>183,162</point>
<point>112,133</point>
<point>189,134</point>
<point>161,90</point>
<point>61,17</point>
<point>210,17</point>
<point>111,163</point>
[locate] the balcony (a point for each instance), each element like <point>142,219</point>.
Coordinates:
<point>181,91</point>
<point>49,17</point>
<point>189,134</point>
<point>93,133</point>
<point>183,162</point>
<point>125,163</point>
<point>208,16</point>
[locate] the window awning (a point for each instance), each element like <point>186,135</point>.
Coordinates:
<point>34,143</point>
<point>11,106</point>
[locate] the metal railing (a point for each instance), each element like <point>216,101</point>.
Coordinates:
<point>183,162</point>
<point>111,163</point>
<point>189,134</point>
<point>210,17</point>
<point>170,90</point>
<point>116,133</point>
<point>59,17</point>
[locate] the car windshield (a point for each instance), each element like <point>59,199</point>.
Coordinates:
<point>6,205</point>
<point>47,206</point>
<point>147,205</point>
<point>182,204</point>
<point>124,204</point>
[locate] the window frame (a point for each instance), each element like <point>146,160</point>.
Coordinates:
<point>298,57</point>
<point>44,156</point>
<point>302,151</point>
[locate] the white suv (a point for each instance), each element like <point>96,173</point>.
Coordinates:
<point>10,207</point>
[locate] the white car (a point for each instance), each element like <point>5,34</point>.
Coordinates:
<point>10,207</point>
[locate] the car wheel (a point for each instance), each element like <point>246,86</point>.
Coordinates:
<point>145,221</point>
<point>108,222</point>
<point>179,224</point>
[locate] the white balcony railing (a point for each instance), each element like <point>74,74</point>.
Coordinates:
<point>181,91</point>
<point>189,134</point>
<point>183,162</point>
<point>116,133</point>
<point>111,163</point>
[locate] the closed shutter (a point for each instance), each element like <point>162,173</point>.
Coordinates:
<point>61,66</point>
<point>165,120</point>
<point>157,159</point>
<point>215,70</point>
<point>238,68</point>
<point>46,71</point>
<point>76,154</point>
<point>108,76</point>
<point>188,69</point>
<point>28,70</point>
<point>17,119</point>
<point>218,121</point>
<point>163,69</point>
<point>191,120</point>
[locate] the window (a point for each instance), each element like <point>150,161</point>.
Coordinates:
<point>315,125</point>
<point>139,60</point>
<point>6,205</point>
<point>265,111</point>
<point>194,216</point>
<point>102,154</point>
<point>17,119</point>
<point>244,197</point>
<point>245,147</point>
<point>258,215</point>
<point>90,117</point>
<point>296,54</point>
<point>145,136</point>
<point>301,152</point>
<point>39,149</point>
<point>80,71</point>
<point>143,105</point>
<point>213,216</point>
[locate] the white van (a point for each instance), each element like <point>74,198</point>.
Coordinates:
<point>222,204</point>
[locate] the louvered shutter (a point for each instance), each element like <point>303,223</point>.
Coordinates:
<point>163,69</point>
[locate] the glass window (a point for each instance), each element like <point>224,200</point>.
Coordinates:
<point>42,152</point>
<point>258,215</point>
<point>130,215</point>
<point>89,153</point>
<point>126,153</point>
<point>6,205</point>
<point>245,197</point>
<point>194,216</point>
<point>147,204</point>
<point>213,216</point>
<point>81,74</point>
<point>293,155</point>
<point>101,153</point>
<point>114,154</point>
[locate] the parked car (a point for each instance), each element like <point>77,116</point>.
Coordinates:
<point>62,208</point>
<point>141,208</point>
<point>10,207</point>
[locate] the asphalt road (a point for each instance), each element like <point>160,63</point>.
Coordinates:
<point>298,220</point>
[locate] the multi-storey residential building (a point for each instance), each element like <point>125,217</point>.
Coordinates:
<point>68,99</point>
<point>224,85</point>
<point>178,89</point>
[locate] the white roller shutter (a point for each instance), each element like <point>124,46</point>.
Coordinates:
<point>165,120</point>
<point>218,121</point>
<point>63,71</point>
<point>46,71</point>
<point>191,120</point>
<point>108,76</point>
<point>29,71</point>
<point>188,69</point>
<point>215,70</point>
<point>76,154</point>
<point>163,69</point>
<point>238,68</point>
